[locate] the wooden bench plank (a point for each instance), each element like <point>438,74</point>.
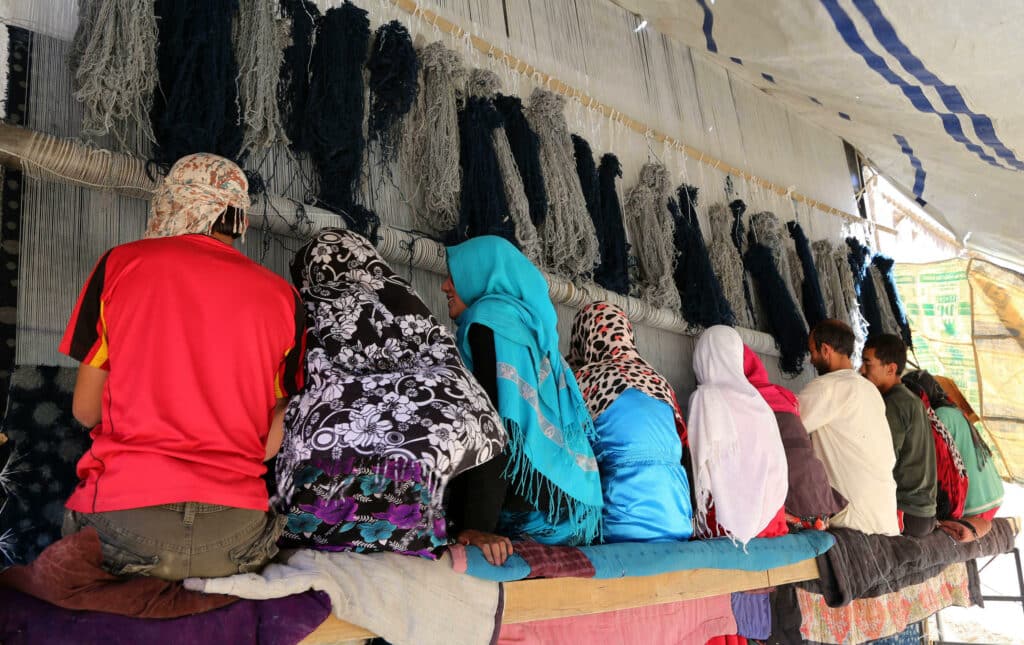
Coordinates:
<point>543,599</point>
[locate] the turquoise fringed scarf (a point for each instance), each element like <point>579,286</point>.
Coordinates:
<point>538,399</point>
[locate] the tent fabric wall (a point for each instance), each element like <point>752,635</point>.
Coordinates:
<point>967,326</point>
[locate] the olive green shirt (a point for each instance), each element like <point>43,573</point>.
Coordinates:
<point>915,471</point>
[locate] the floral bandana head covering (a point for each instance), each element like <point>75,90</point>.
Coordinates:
<point>607,363</point>
<point>195,193</point>
<point>389,414</point>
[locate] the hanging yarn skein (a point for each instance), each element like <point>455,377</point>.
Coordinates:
<point>196,109</point>
<point>393,81</point>
<point>260,37</point>
<point>334,111</point>
<point>484,209</point>
<point>293,88</point>
<point>702,298</point>
<point>652,232</point>
<point>859,263</point>
<point>567,234</point>
<point>613,274</point>
<point>784,318</point>
<point>483,85</point>
<point>885,265</point>
<point>766,229</point>
<point>831,289</point>
<point>739,239</point>
<point>840,259</point>
<point>429,158</point>
<point>727,264</point>
<point>586,170</point>
<point>113,65</point>
<point>810,287</point>
<point>525,146</point>
<point>888,317</point>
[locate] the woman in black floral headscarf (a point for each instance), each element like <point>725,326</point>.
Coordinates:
<point>389,413</point>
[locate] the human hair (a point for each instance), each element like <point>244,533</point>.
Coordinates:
<point>889,348</point>
<point>230,222</point>
<point>834,333</point>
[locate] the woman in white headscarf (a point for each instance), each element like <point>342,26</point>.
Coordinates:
<point>740,471</point>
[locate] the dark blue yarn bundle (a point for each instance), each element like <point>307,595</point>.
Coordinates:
<point>885,265</point>
<point>738,207</point>
<point>526,151</point>
<point>483,208</point>
<point>334,111</point>
<point>814,302</point>
<point>293,90</point>
<point>393,67</point>
<point>785,321</point>
<point>859,258</point>
<point>196,106</point>
<point>613,273</point>
<point>587,172</point>
<point>704,303</point>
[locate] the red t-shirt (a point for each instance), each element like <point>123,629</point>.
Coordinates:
<point>200,342</point>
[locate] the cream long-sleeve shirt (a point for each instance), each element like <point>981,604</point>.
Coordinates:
<point>845,415</point>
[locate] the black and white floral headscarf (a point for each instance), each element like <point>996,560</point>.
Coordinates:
<point>389,413</point>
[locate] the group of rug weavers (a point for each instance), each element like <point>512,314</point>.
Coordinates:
<point>388,433</point>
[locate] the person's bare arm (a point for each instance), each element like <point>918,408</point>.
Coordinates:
<point>87,402</point>
<point>276,435</point>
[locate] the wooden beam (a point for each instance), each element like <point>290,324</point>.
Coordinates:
<point>547,598</point>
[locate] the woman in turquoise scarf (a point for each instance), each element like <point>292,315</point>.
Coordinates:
<point>547,487</point>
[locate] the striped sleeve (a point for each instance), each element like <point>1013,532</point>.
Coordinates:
<point>85,338</point>
<point>291,375</point>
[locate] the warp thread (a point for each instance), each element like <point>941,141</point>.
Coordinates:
<point>260,37</point>
<point>739,239</point>
<point>293,89</point>
<point>113,65</point>
<point>525,146</point>
<point>885,265</point>
<point>569,240</point>
<point>815,309</point>
<point>703,301</point>
<point>429,158</point>
<point>613,274</point>
<point>196,109</point>
<point>485,83</point>
<point>484,209</point>
<point>784,318</point>
<point>652,232</point>
<point>728,265</point>
<point>859,257</point>
<point>393,81</point>
<point>335,107</point>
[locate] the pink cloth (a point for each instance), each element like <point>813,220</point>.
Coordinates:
<point>779,399</point>
<point>683,623</point>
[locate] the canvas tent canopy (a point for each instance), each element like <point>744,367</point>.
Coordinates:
<point>929,92</point>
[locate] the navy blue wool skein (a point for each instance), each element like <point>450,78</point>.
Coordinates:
<point>293,89</point>
<point>334,112</point>
<point>393,67</point>
<point>587,172</point>
<point>738,207</point>
<point>814,302</point>
<point>885,266</point>
<point>483,208</point>
<point>613,274</point>
<point>704,302</point>
<point>196,107</point>
<point>785,321</point>
<point>526,151</point>
<point>859,259</point>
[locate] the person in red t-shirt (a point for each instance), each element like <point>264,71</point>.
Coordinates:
<point>188,353</point>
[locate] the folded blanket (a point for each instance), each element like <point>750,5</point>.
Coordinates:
<point>868,619</point>
<point>68,574</point>
<point>284,621</point>
<point>403,599</point>
<point>687,622</point>
<point>641,559</point>
<point>866,566</point>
